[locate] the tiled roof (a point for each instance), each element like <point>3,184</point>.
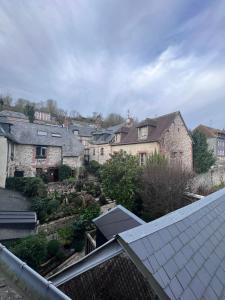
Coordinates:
<point>27,134</point>
<point>184,251</point>
<point>209,131</point>
<point>83,129</point>
<point>105,136</point>
<point>160,125</point>
<point>116,221</point>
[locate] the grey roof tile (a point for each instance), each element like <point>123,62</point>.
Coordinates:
<point>187,251</point>
<point>180,259</point>
<point>169,293</point>
<point>176,287</point>
<point>154,264</point>
<point>216,286</point>
<point>165,235</point>
<point>176,243</point>
<point>162,277</point>
<point>173,230</point>
<point>209,294</point>
<point>168,251</point>
<point>160,257</point>
<point>156,241</point>
<point>184,238</point>
<point>204,276</point>
<point>184,278</point>
<point>188,295</point>
<point>197,287</point>
<point>191,267</point>
<point>198,259</point>
<point>139,249</point>
<point>171,268</point>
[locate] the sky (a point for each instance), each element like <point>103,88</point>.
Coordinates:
<point>150,57</point>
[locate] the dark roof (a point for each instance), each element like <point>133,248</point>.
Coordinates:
<point>116,220</point>
<point>83,129</point>
<point>182,254</point>
<point>27,134</point>
<point>13,114</point>
<point>209,131</point>
<point>162,123</point>
<point>105,136</point>
<point>184,251</point>
<point>123,130</point>
<point>17,217</point>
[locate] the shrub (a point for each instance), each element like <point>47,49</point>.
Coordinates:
<point>29,186</point>
<point>52,206</point>
<point>65,172</point>
<point>53,247</point>
<point>93,188</point>
<point>79,185</point>
<point>32,250</point>
<point>39,205</point>
<point>102,200</point>
<point>93,167</point>
<point>66,235</point>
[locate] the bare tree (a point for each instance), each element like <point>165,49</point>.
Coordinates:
<point>162,187</point>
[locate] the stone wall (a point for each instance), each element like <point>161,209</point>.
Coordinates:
<point>73,162</point>
<point>176,144</point>
<point>25,160</point>
<point>107,151</point>
<point>3,160</point>
<point>136,149</point>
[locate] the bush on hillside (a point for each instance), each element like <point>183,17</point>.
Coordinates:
<point>65,172</point>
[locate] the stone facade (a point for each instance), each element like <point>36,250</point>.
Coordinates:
<point>176,144</point>
<point>101,153</point>
<point>25,160</point>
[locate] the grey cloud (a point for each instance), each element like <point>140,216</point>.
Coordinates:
<point>150,57</point>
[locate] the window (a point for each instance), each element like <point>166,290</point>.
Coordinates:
<point>18,173</point>
<point>143,133</point>
<point>76,132</point>
<point>93,151</point>
<point>102,151</point>
<point>117,137</point>
<point>43,133</point>
<point>56,135</point>
<point>142,158</point>
<point>41,152</point>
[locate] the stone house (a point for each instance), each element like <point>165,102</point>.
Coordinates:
<point>216,141</point>
<point>166,134</point>
<point>32,149</point>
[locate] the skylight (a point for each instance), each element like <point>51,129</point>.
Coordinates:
<point>43,133</point>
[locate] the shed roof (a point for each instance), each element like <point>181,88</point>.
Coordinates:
<point>184,251</point>
<point>116,221</point>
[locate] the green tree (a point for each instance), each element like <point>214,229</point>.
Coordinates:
<point>64,172</point>
<point>29,111</point>
<point>113,119</point>
<point>202,156</point>
<point>119,178</point>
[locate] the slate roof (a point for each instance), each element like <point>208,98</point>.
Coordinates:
<point>209,131</point>
<point>83,129</point>
<point>27,134</point>
<point>13,114</point>
<point>17,217</point>
<point>105,136</point>
<point>116,221</point>
<point>161,124</point>
<point>183,253</point>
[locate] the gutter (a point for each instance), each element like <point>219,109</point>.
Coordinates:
<point>32,284</point>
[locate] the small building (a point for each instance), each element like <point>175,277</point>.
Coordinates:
<point>32,149</point>
<point>216,141</point>
<point>17,224</point>
<point>178,256</point>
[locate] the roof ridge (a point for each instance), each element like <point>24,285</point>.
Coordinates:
<point>141,231</point>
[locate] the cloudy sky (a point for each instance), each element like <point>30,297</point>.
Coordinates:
<point>148,56</point>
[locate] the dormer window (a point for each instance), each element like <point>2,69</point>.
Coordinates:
<point>117,137</point>
<point>143,133</point>
<point>76,132</point>
<point>42,133</point>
